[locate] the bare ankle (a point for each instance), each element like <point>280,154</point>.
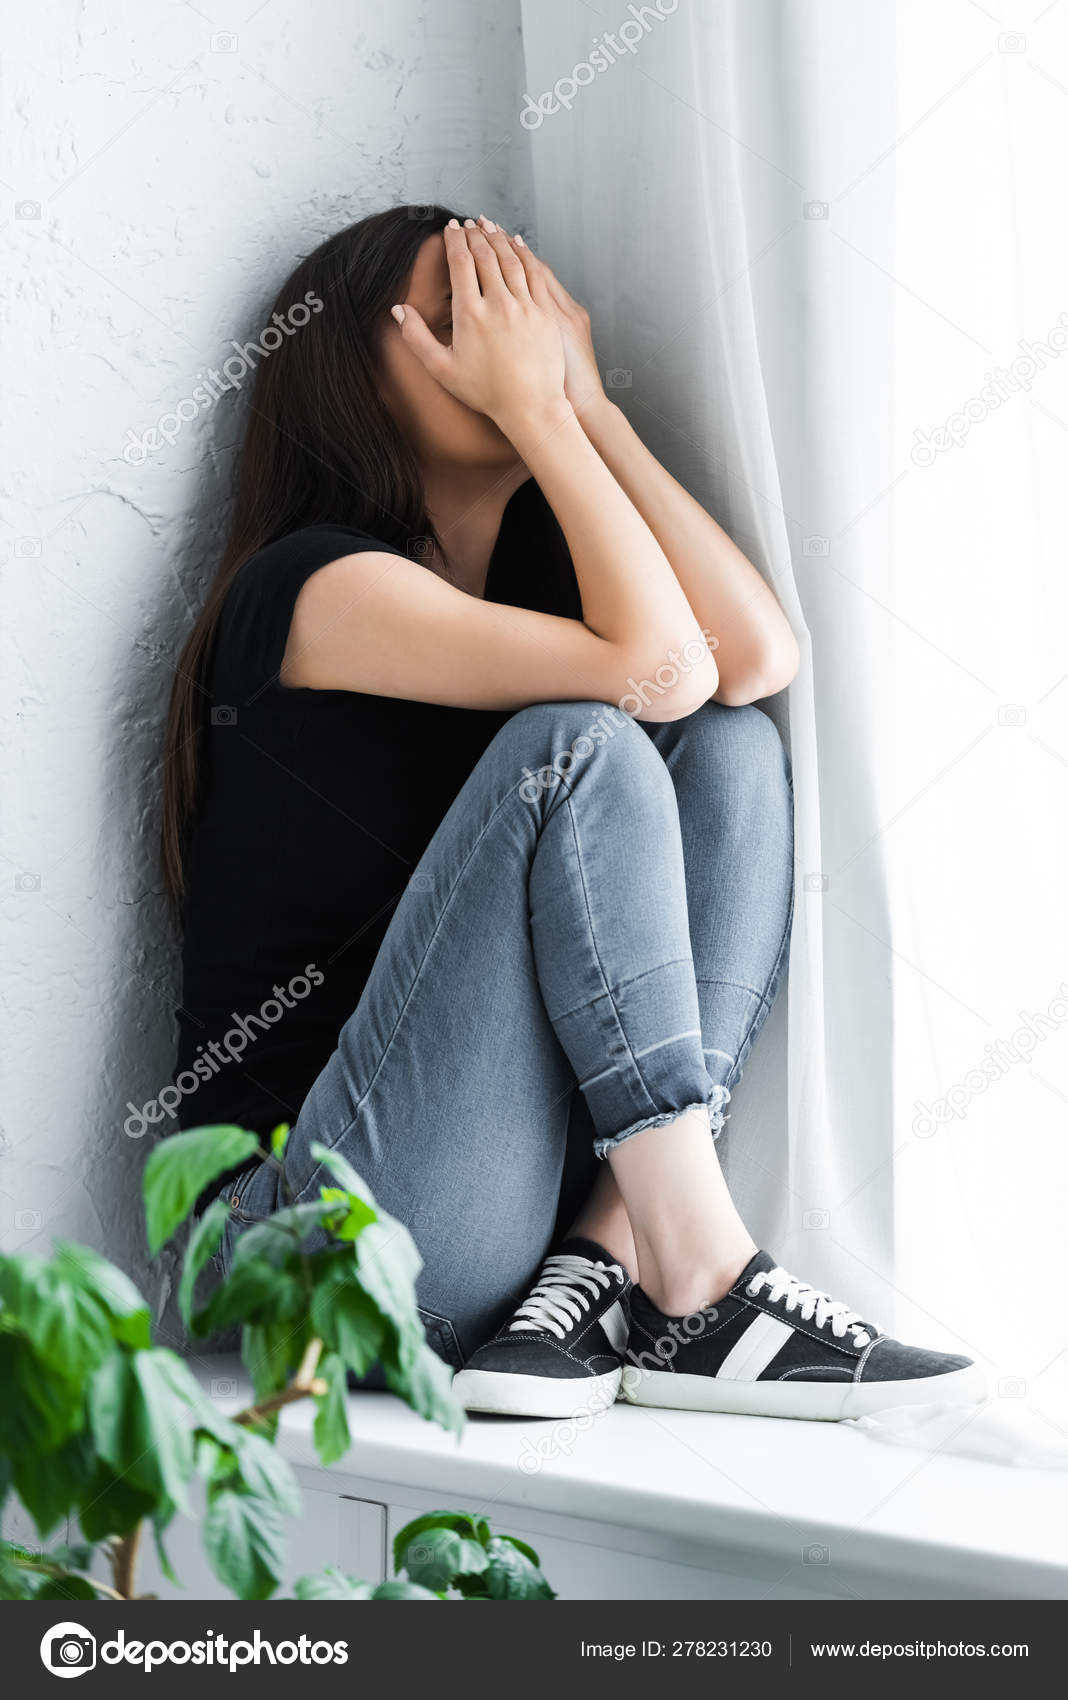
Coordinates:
<point>683,1288</point>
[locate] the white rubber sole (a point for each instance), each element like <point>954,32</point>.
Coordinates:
<point>818,1401</point>
<point>535,1395</point>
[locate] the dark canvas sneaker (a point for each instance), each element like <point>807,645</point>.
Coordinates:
<point>776,1347</point>
<point>561,1353</point>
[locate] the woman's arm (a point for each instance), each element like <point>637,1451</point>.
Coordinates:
<point>756,651</point>
<point>376,623</point>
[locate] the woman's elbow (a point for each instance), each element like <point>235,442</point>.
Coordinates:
<point>678,690</point>
<point>754,678</point>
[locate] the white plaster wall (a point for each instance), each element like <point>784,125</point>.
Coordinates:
<point>164,164</point>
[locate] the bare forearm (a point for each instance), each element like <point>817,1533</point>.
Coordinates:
<point>630,594</point>
<point>756,651</point>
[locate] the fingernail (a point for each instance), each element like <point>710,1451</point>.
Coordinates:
<point>398,314</point>
<point>518,240</point>
<point>489,224</point>
<point>453,224</point>
<point>469,224</point>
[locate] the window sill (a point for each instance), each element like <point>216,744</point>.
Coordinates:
<point>680,1505</point>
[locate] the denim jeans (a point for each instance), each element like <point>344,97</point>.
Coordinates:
<point>588,947</point>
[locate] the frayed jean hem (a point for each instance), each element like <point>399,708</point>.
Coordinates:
<point>715,1104</point>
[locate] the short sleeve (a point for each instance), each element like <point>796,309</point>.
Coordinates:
<point>258,610</point>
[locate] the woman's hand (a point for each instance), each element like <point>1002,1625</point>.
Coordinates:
<point>582,378</point>
<point>507,357</point>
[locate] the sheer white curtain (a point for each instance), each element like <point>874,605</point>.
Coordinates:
<point>803,233</point>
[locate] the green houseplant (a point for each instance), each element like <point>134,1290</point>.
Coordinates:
<point>101,1425</point>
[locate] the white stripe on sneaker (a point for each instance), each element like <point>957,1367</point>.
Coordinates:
<point>752,1353</point>
<point>615,1325</point>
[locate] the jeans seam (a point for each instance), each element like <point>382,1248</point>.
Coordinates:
<point>597,955</point>
<point>622,985</point>
<point>765,1001</point>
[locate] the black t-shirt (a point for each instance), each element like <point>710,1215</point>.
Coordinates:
<point>314,808</point>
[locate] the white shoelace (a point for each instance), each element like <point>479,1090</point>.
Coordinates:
<point>561,1296</point>
<point>813,1305</point>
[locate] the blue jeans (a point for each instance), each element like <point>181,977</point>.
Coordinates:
<point>588,947</point>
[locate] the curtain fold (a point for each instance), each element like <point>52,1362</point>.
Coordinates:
<point>671,196</point>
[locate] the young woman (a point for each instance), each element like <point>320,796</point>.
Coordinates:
<point>485,856</point>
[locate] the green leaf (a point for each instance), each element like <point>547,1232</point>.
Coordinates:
<point>265,1474</point>
<point>158,1526</point>
<point>279,1136</point>
<point>424,1382</point>
<point>131,1321</point>
<point>181,1167</point>
<point>204,1242</point>
<point>253,1290</point>
<point>509,1575</point>
<point>67,1588</point>
<point>344,1316</point>
<point>15,1582</point>
<point>267,1353</point>
<point>113,1505</point>
<point>331,1584</point>
<point>243,1538</point>
<point>38,1408</point>
<point>140,1413</point>
<point>357,1216</point>
<point>283,1234</point>
<point>396,1589</point>
<point>343,1172</point>
<point>331,1426</point>
<point>66,1325</point>
<point>475,1529</point>
<point>51,1486</point>
<point>438,1555</point>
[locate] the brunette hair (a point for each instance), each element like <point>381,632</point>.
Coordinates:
<point>320,446</point>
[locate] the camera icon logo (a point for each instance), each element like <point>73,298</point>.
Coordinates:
<point>223,42</point>
<point>27,209</point>
<point>815,546</point>
<point>1012,714</point>
<point>618,378</point>
<point>815,1554</point>
<point>1012,42</point>
<point>224,715</point>
<point>26,548</point>
<point>817,209</point>
<point>1012,1387</point>
<point>420,211</point>
<point>816,882</point>
<point>27,882</point>
<point>68,1649</point>
<point>816,1220</point>
<point>27,1221</point>
<point>419,548</point>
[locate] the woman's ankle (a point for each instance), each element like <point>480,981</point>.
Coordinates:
<point>679,1287</point>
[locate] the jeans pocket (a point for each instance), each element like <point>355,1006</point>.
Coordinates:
<point>441,1337</point>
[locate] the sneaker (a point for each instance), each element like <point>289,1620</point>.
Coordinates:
<point>776,1347</point>
<point>562,1351</point>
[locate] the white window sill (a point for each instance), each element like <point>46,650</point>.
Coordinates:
<point>659,1504</point>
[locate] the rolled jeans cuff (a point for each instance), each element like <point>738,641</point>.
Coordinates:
<point>715,1104</point>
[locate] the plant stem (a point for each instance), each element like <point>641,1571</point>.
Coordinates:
<point>124,1562</point>
<point>303,1385</point>
<point>60,1572</point>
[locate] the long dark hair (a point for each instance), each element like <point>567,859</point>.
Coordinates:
<point>319,446</point>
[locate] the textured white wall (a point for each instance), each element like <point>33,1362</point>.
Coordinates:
<point>165,163</point>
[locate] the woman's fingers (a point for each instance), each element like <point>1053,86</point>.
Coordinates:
<point>462,273</point>
<point>416,335</point>
<point>512,269</point>
<point>534,272</point>
<point>486,262</point>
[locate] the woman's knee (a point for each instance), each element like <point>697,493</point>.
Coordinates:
<point>558,742</point>
<point>725,746</point>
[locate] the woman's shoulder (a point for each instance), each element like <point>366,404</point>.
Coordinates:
<point>259,604</point>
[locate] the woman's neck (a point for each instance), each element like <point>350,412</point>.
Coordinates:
<point>466,506</point>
